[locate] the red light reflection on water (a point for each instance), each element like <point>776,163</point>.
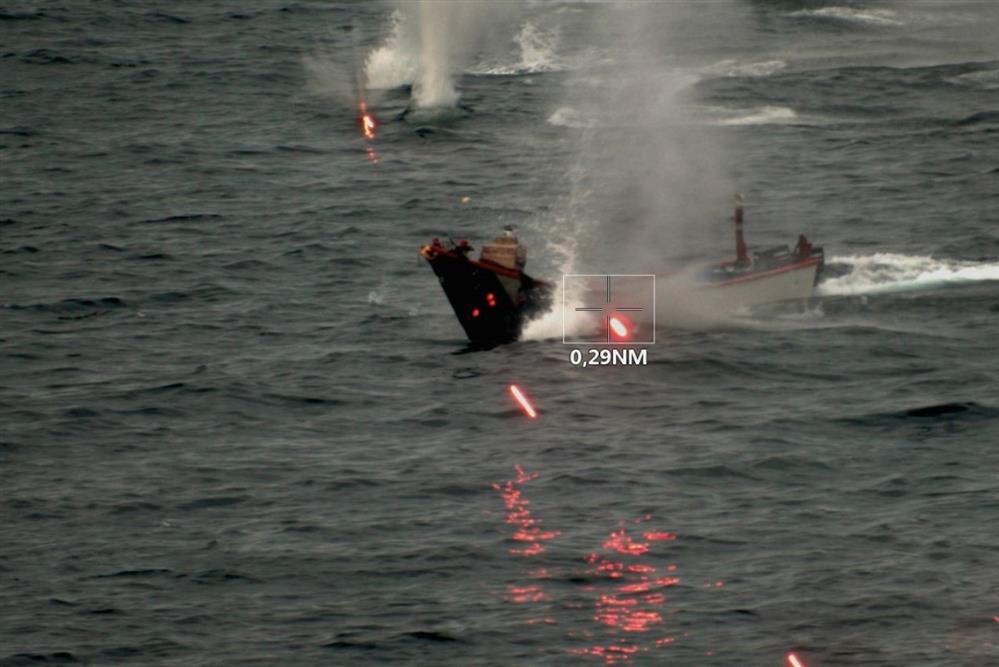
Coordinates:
<point>620,541</point>
<point>629,594</point>
<point>630,601</point>
<point>654,537</point>
<point>633,604</point>
<point>538,621</point>
<point>522,594</point>
<point>638,567</point>
<point>532,550</point>
<point>528,529</point>
<point>611,654</point>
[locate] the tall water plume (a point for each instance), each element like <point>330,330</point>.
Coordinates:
<point>648,187</point>
<point>432,41</point>
<point>657,186</point>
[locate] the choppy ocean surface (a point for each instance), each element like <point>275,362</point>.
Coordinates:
<point>239,423</point>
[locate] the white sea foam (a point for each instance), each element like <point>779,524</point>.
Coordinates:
<point>731,67</point>
<point>890,272</point>
<point>760,116</point>
<point>569,117</point>
<point>536,53</point>
<point>880,17</point>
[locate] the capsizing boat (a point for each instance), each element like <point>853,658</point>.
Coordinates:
<point>492,296</point>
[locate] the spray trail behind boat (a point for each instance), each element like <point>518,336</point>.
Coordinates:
<point>883,273</point>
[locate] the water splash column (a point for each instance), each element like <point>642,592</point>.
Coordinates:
<point>439,28</point>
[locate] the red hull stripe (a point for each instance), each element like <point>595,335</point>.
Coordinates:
<point>485,265</point>
<point>498,269</point>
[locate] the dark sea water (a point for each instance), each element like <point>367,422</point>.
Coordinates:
<point>239,424</point>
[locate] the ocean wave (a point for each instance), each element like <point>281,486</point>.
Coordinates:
<point>7,15</point>
<point>985,79</point>
<point>732,67</point>
<point>889,272</point>
<point>768,115</point>
<point>979,118</point>
<point>44,56</point>
<point>878,17</point>
<point>70,305</point>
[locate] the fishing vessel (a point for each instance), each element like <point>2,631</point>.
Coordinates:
<point>772,275</point>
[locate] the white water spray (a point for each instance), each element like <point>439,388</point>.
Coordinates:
<point>439,23</point>
<point>649,184</point>
<point>430,42</point>
<point>394,63</point>
<point>882,273</point>
<point>562,319</point>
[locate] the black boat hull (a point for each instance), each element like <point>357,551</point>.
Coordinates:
<point>492,303</point>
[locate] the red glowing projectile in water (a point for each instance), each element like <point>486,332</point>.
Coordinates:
<point>795,661</point>
<point>619,327</point>
<point>525,404</point>
<point>368,124</point>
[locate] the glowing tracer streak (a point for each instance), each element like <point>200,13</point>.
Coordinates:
<point>525,404</point>
<point>795,661</point>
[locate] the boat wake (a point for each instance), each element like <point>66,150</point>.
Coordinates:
<point>683,304</point>
<point>882,273</point>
